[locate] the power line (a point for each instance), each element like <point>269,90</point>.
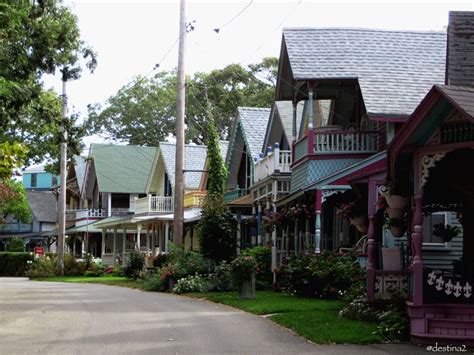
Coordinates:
<point>235,17</point>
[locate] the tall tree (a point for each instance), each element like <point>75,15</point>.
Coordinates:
<point>38,37</point>
<point>143,112</point>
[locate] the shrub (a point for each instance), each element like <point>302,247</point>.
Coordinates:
<point>117,271</point>
<point>182,263</point>
<point>221,277</point>
<point>42,267</point>
<point>217,230</point>
<point>15,245</point>
<point>196,283</point>
<point>325,275</point>
<point>263,257</point>
<point>242,268</point>
<point>155,283</point>
<point>160,260</point>
<point>72,267</point>
<point>14,264</point>
<point>135,265</point>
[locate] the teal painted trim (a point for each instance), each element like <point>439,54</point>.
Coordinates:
<point>44,180</point>
<point>301,148</point>
<point>234,194</point>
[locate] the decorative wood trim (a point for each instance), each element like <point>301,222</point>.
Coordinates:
<point>428,162</point>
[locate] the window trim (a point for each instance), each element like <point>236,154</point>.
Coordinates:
<point>446,246</point>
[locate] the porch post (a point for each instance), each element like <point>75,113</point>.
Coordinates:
<point>274,248</point>
<point>371,241</point>
<point>167,233</point>
<point>239,230</point>
<point>310,134</point>
<point>417,263</point>
<point>253,229</point>
<point>268,207</point>
<point>317,233</point>
<point>259,226</point>
<point>124,239</point>
<point>109,204</point>
<point>276,158</point>
<point>115,245</point>
<point>148,239</point>
<point>139,230</point>
<point>293,131</point>
<point>104,235</point>
<point>295,234</point>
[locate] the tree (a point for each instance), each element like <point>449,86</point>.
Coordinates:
<point>15,245</point>
<point>217,228</point>
<point>38,37</point>
<point>144,112</point>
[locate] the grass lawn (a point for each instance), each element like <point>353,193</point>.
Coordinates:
<point>316,320</point>
<point>105,280</point>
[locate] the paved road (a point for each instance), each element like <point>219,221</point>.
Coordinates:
<point>60,318</point>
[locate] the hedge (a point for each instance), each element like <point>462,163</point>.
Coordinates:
<point>13,263</point>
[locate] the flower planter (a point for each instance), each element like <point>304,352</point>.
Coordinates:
<point>397,201</point>
<point>247,289</point>
<point>395,212</point>
<point>397,231</point>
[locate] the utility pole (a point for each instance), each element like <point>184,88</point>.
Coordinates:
<point>179,164</point>
<point>62,182</point>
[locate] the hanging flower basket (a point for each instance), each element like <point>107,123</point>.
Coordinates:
<point>360,223</point>
<point>397,201</point>
<point>395,212</point>
<point>446,232</point>
<point>397,227</point>
<point>396,195</point>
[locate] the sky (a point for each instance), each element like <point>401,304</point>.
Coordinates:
<point>131,37</point>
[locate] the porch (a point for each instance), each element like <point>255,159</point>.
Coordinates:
<point>275,162</point>
<point>154,204</point>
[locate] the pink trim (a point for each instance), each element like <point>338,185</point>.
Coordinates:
<point>388,119</point>
<point>318,200</point>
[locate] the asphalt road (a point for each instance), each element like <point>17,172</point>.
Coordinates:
<point>61,318</point>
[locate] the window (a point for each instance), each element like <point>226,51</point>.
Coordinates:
<point>33,179</point>
<point>428,223</point>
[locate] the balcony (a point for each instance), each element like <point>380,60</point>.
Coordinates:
<point>154,204</point>
<point>194,198</point>
<point>234,194</point>
<point>275,162</point>
<point>337,142</point>
<point>86,216</point>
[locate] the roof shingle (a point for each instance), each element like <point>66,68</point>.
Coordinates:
<point>43,205</point>
<point>254,122</point>
<point>395,69</point>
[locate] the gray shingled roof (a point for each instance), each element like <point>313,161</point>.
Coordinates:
<point>461,97</point>
<point>194,159</point>
<point>395,69</point>
<point>43,205</point>
<point>254,122</point>
<point>122,168</point>
<point>80,164</point>
<point>224,147</point>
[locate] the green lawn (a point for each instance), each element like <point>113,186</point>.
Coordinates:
<point>315,319</point>
<point>104,280</point>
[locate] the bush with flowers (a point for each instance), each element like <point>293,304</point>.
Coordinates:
<point>242,268</point>
<point>193,283</point>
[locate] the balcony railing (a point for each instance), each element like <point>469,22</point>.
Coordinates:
<point>91,213</point>
<point>335,142</point>
<point>154,204</point>
<point>234,194</point>
<point>194,198</point>
<point>276,161</point>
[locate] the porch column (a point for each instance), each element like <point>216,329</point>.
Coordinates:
<point>83,246</point>
<point>268,207</point>
<point>417,262</point>
<point>274,248</point>
<point>239,230</point>
<point>371,208</point>
<point>139,231</point>
<point>109,204</point>
<point>115,245</point>
<point>104,235</point>
<point>317,232</point>
<point>253,229</point>
<point>259,226</point>
<point>148,239</point>
<point>124,240</point>
<point>167,233</point>
<point>307,232</point>
<point>310,134</point>
<point>295,235</point>
<point>293,130</point>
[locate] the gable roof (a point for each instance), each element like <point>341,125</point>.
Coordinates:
<point>460,97</point>
<point>194,159</point>
<point>395,69</point>
<point>80,164</point>
<point>122,168</point>
<point>43,205</point>
<point>254,122</point>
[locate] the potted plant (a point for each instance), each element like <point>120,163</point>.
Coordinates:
<point>446,232</point>
<point>397,226</point>
<point>396,195</point>
<point>243,270</point>
<point>353,213</point>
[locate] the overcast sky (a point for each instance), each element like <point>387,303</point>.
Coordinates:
<point>131,37</point>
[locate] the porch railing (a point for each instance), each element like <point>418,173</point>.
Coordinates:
<point>336,142</point>
<point>154,204</point>
<point>276,161</point>
<point>234,194</point>
<point>194,198</point>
